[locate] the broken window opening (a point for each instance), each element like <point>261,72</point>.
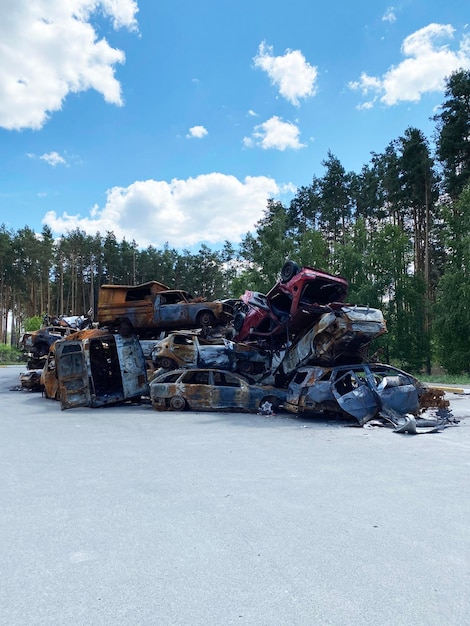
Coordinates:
<point>138,294</point>
<point>104,363</point>
<point>196,378</point>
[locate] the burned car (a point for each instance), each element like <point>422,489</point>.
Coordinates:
<point>361,391</point>
<point>36,344</point>
<point>95,368</point>
<point>341,335</point>
<point>184,349</point>
<point>253,319</point>
<point>152,307</point>
<point>296,300</point>
<point>211,390</point>
<point>31,380</point>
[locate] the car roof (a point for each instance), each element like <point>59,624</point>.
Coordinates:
<point>312,274</point>
<point>148,284</point>
<point>200,369</point>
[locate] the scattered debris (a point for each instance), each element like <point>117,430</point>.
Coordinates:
<point>31,380</point>
<point>415,426</point>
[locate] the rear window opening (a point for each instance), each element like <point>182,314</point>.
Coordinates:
<point>138,294</point>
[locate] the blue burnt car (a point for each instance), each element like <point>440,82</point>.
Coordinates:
<point>361,391</point>
<point>211,390</point>
<point>184,349</point>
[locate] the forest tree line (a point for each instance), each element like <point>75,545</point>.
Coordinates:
<point>398,231</point>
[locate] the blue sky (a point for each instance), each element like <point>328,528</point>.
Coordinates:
<point>175,120</point>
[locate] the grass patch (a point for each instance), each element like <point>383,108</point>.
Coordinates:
<point>9,355</point>
<point>445,379</point>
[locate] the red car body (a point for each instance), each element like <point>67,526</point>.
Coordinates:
<point>293,304</point>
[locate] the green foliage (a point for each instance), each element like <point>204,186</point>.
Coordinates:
<point>453,132</point>
<point>9,355</point>
<point>32,323</point>
<point>452,322</point>
<point>452,307</point>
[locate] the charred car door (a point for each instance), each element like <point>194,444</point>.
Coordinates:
<point>72,374</point>
<point>132,369</point>
<point>185,349</point>
<point>197,388</point>
<point>172,310</point>
<point>354,395</point>
<point>230,392</point>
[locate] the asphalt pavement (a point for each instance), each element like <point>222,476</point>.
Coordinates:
<point>124,515</point>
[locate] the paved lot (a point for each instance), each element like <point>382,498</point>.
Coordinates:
<point>128,516</point>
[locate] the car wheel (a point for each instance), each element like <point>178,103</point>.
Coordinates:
<point>245,367</point>
<point>125,328</point>
<point>167,363</point>
<point>40,350</point>
<point>272,400</point>
<point>177,403</point>
<point>206,318</point>
<point>289,270</point>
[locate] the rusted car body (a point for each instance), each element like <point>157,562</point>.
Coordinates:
<point>190,350</point>
<point>340,336</point>
<point>211,390</point>
<point>360,391</point>
<point>95,368</point>
<point>294,303</point>
<point>31,380</point>
<point>152,307</point>
<point>36,344</point>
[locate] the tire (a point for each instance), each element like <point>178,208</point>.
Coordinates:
<point>167,363</point>
<point>245,367</point>
<point>125,328</point>
<point>40,350</point>
<point>177,403</point>
<point>206,318</point>
<point>238,321</point>
<point>273,401</point>
<point>289,270</point>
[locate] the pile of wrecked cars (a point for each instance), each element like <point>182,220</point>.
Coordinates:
<point>300,347</point>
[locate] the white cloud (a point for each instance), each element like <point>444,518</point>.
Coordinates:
<point>50,49</point>
<point>197,131</point>
<point>210,208</point>
<point>389,15</point>
<point>275,134</point>
<point>53,158</point>
<point>291,74</point>
<point>424,69</point>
